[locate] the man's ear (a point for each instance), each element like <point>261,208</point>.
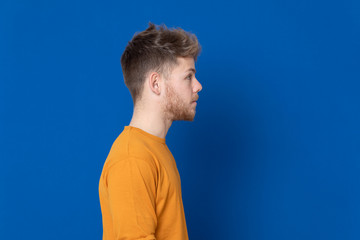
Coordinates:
<point>155,82</point>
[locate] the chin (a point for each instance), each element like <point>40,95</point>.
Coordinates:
<point>189,117</point>
<point>182,115</point>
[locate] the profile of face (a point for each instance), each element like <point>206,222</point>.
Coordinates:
<point>181,91</point>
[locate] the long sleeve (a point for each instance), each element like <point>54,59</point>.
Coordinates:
<point>131,190</point>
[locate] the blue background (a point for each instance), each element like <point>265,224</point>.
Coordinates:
<point>273,152</point>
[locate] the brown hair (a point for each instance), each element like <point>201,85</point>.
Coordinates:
<point>155,49</point>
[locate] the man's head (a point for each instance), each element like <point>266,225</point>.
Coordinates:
<point>181,91</point>
<point>163,51</point>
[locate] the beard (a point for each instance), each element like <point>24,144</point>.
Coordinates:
<point>175,108</point>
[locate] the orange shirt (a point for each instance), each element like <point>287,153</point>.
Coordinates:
<point>140,190</point>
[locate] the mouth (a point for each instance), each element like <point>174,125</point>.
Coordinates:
<point>194,102</point>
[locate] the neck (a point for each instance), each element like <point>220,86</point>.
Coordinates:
<point>150,120</point>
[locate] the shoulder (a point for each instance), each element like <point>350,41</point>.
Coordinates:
<point>132,169</point>
<point>132,162</point>
<point>128,146</point>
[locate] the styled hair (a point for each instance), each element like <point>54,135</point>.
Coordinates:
<point>155,49</point>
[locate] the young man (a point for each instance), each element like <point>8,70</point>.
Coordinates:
<point>139,188</point>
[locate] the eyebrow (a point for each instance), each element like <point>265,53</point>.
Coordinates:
<point>191,70</point>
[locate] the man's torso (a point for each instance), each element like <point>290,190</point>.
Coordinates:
<point>136,145</point>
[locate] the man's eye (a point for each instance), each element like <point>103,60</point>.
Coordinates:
<point>189,77</point>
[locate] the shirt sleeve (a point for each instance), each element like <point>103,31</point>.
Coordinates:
<point>132,198</point>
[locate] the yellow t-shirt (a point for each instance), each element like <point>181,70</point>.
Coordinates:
<point>140,190</point>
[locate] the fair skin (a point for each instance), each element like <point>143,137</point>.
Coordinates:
<point>165,100</point>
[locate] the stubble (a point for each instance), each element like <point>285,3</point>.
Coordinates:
<point>175,108</point>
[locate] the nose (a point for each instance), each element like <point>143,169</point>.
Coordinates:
<point>197,86</point>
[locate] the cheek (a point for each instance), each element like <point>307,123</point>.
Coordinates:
<point>184,90</point>
<point>187,91</point>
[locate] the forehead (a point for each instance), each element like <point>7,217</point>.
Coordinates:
<point>184,64</point>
